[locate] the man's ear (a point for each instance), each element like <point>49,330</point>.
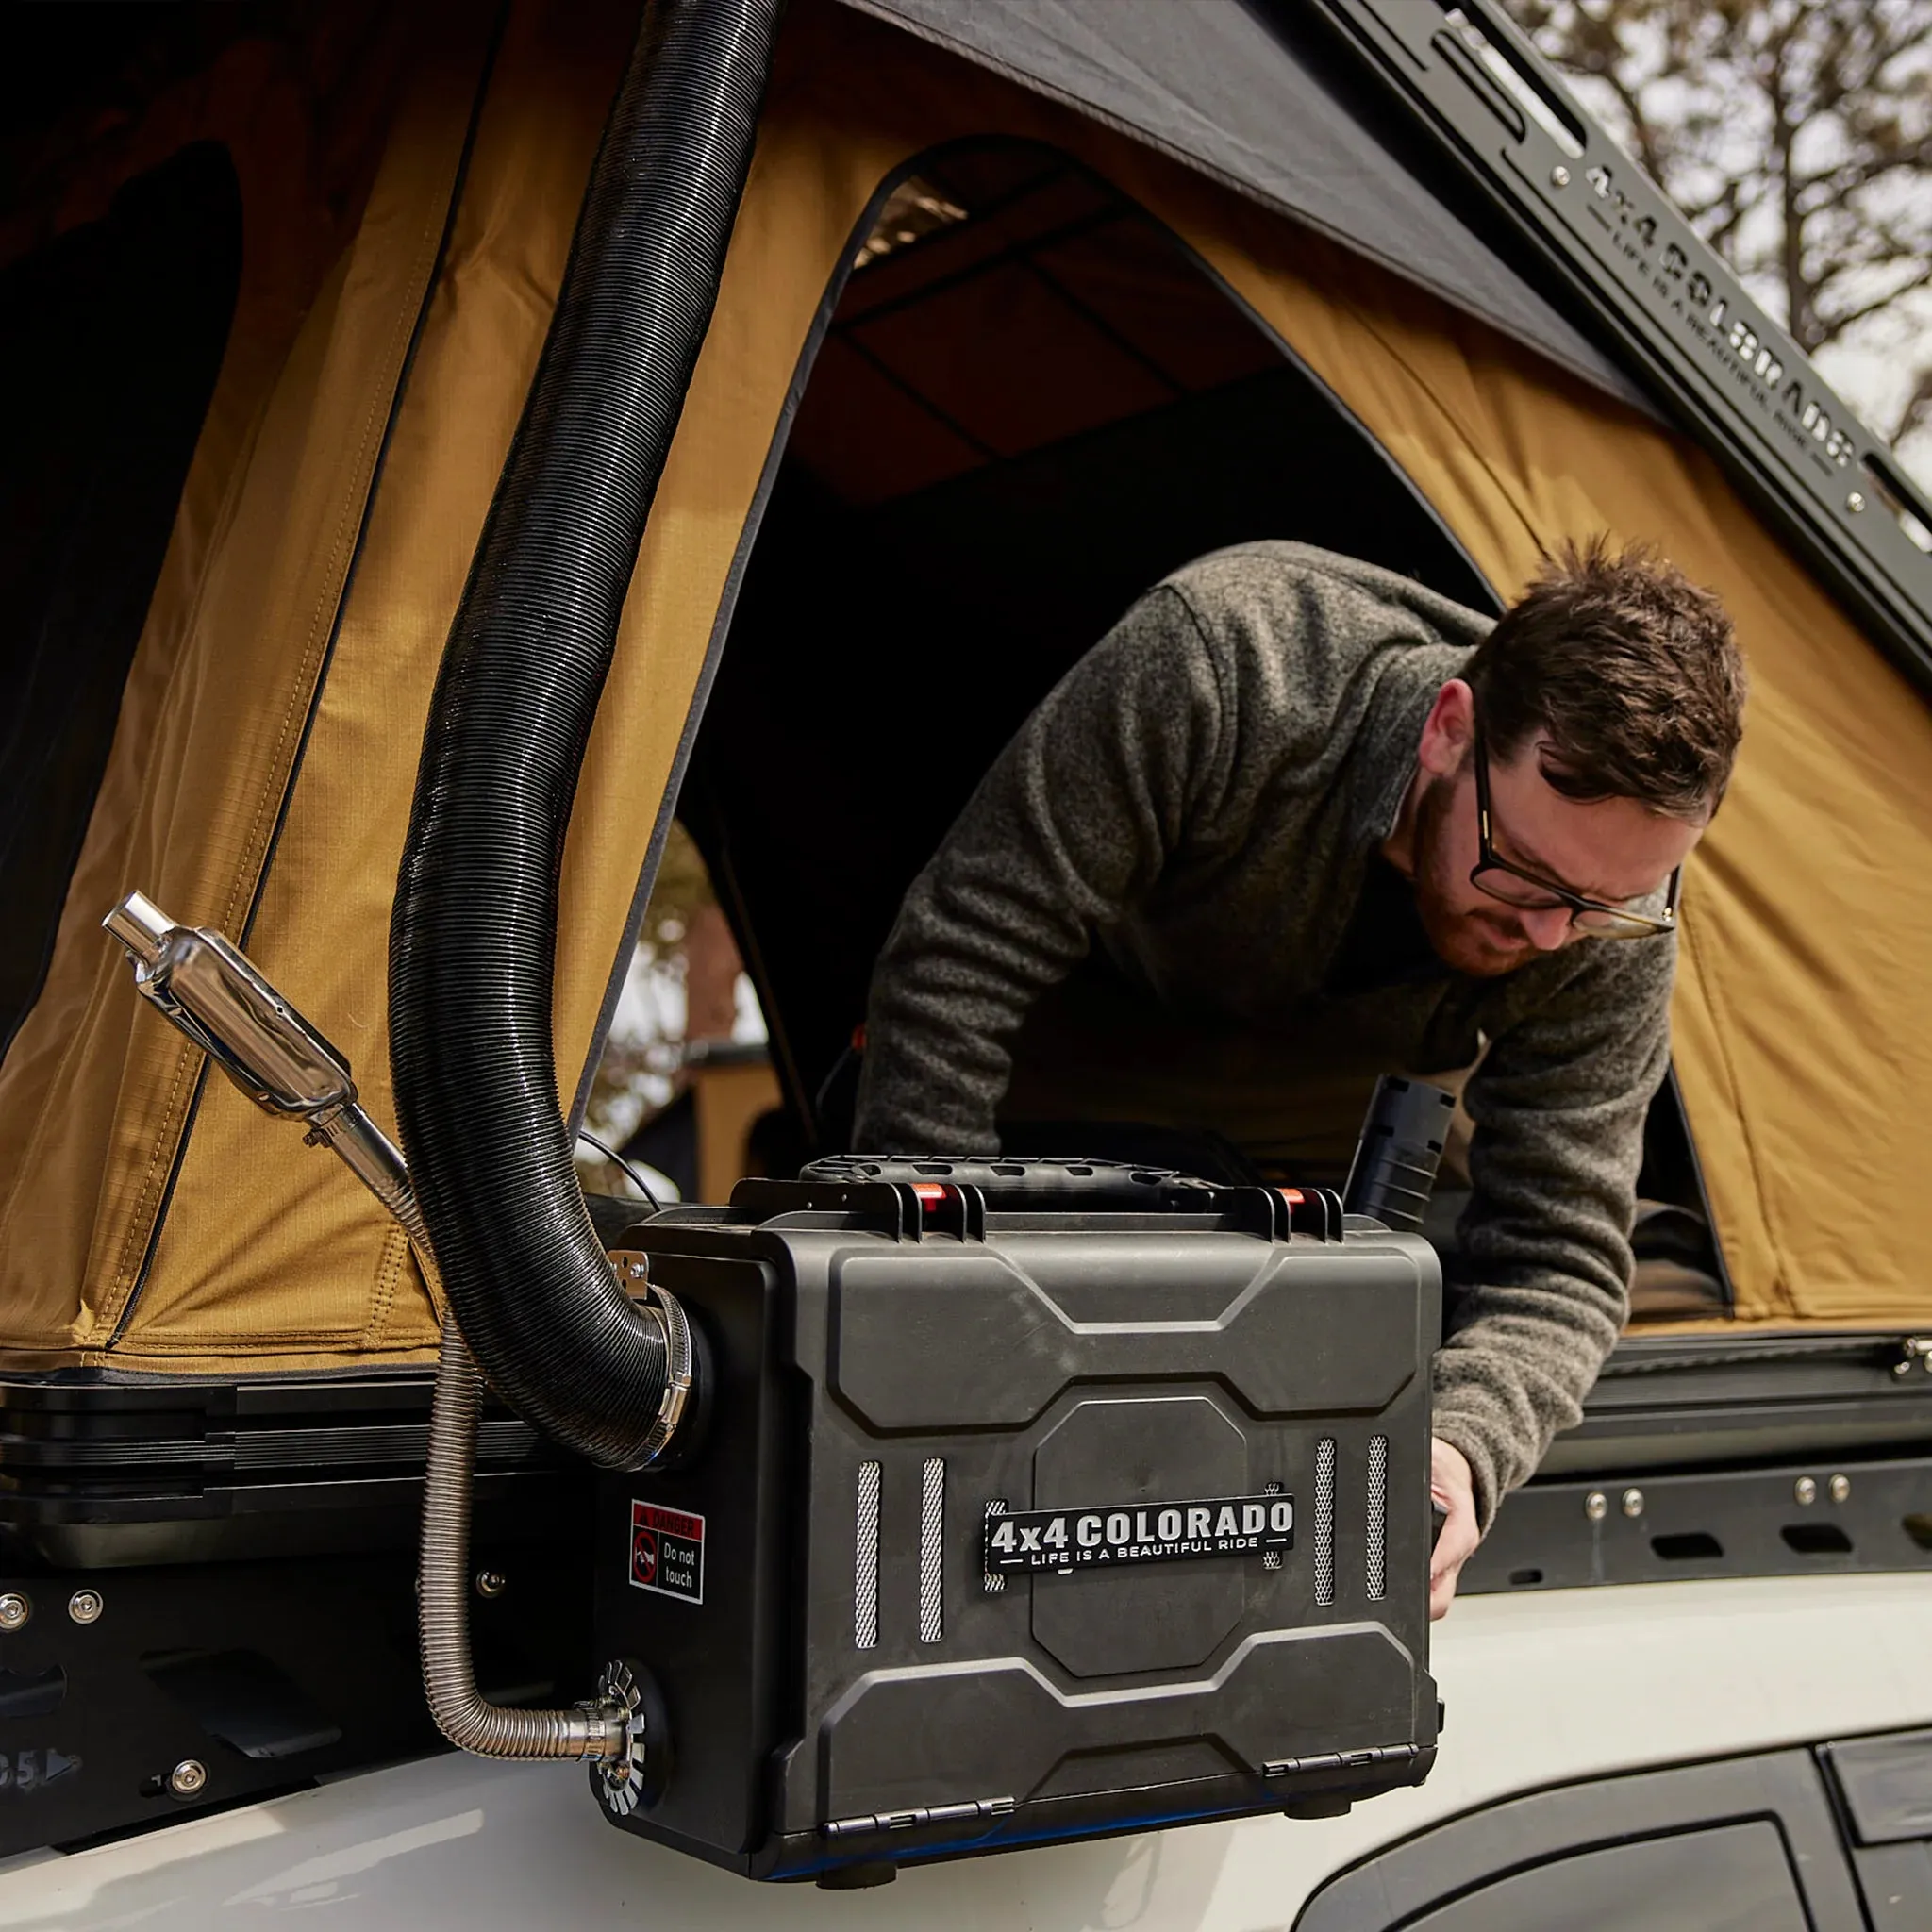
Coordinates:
<point>1448,731</point>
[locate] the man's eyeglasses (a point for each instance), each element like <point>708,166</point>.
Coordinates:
<point>1527,891</point>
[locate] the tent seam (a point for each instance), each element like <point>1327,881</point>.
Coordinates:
<point>138,1228</point>
<point>1779,1295</point>
<point>1464,434</point>
<point>382,1301</point>
<point>109,980</point>
<point>144,1224</point>
<point>437,230</point>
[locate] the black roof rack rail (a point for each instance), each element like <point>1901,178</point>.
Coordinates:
<point>1684,319</point>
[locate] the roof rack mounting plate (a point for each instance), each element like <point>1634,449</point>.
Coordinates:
<point>1742,384</point>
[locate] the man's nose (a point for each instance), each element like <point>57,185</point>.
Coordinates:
<point>1546,928</point>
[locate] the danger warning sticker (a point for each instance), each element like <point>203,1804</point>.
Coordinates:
<point>1156,1533</point>
<point>667,1552</point>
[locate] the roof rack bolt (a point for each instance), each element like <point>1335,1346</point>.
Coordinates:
<point>1633,1503</point>
<point>188,1777</point>
<point>85,1607</point>
<point>1596,1505</point>
<point>1806,1489</point>
<point>1560,176</point>
<point>15,1609</point>
<point>1840,1486</point>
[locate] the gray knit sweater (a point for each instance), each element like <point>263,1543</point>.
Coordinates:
<point>1198,800</point>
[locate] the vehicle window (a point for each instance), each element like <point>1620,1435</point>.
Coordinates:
<point>1734,1878</point>
<point>1885,1787</point>
<point>1734,1844</point>
<point>1897,1884</point>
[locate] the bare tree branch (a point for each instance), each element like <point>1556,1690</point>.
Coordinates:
<point>1833,326</point>
<point>1796,136</point>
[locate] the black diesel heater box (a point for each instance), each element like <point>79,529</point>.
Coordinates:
<point>1035,1499</point>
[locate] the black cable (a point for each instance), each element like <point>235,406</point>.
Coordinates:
<point>616,1159</point>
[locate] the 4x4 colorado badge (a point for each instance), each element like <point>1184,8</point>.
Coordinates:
<point>1065,1540</point>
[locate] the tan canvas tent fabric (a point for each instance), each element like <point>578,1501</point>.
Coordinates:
<point>133,1236</point>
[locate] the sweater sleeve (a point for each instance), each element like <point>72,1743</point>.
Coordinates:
<point>1558,1105</point>
<point>1071,826</point>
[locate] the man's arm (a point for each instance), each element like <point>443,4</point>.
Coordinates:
<point>1072,823</point>
<point>1558,1105</point>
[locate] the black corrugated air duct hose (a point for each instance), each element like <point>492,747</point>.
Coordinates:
<point>472,937</point>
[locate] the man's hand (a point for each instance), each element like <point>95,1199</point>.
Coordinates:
<point>1454,1492</point>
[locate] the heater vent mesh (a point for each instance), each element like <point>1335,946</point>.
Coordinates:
<point>1324,1519</point>
<point>932,1548</point>
<point>865,1567</point>
<point>1377,1559</point>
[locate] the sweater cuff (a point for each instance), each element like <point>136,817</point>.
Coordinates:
<point>1466,1432</point>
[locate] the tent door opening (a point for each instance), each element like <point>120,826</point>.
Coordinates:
<point>1030,402</point>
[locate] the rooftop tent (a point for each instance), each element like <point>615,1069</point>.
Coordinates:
<point>1197,285</point>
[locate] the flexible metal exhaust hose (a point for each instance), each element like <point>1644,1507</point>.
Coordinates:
<point>461,1714</point>
<point>473,935</point>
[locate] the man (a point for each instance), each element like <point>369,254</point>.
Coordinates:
<point>1296,821</point>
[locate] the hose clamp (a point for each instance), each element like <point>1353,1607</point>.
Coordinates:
<point>679,1364</point>
<point>678,1374</point>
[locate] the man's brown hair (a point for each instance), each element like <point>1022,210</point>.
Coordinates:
<point>1625,671</point>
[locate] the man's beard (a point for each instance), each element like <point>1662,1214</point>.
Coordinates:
<point>1484,941</point>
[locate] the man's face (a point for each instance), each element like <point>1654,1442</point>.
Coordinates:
<point>1613,849</point>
